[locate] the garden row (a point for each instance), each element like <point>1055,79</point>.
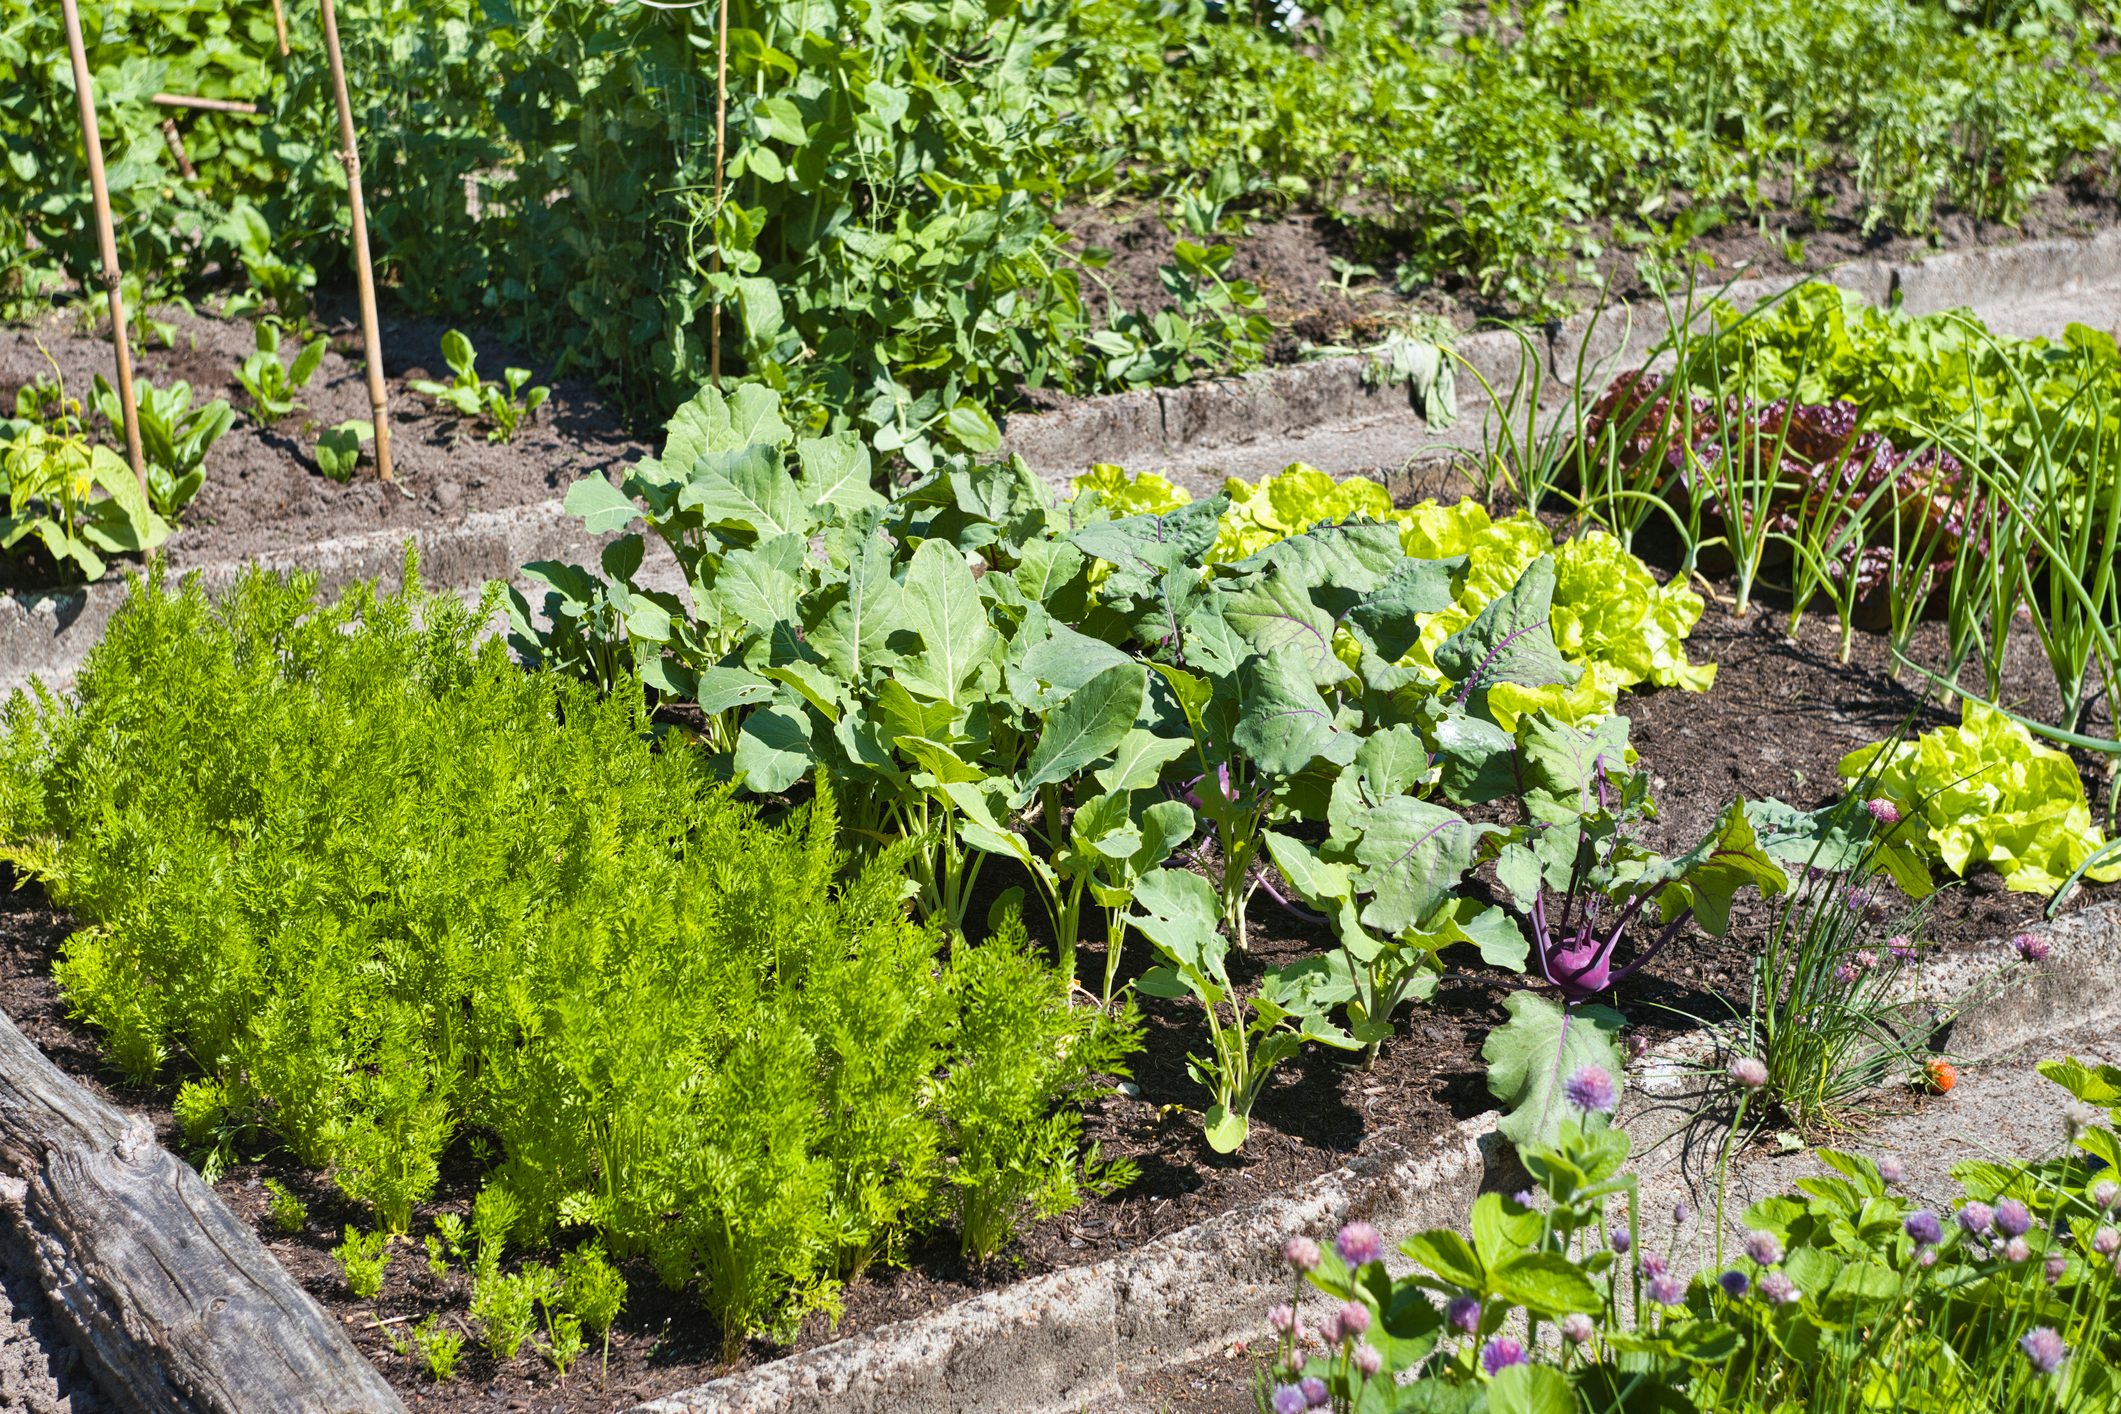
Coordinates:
<point>885,235</point>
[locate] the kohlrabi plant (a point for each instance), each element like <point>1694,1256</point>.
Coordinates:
<point>271,384</point>
<point>506,405</point>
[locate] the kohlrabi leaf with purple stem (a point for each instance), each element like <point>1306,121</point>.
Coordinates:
<point>1477,760</point>
<point>1411,855</point>
<point>1570,771</point>
<point>1838,838</point>
<point>1338,563</point>
<point>1284,723</point>
<point>1511,640</point>
<point>1708,877</point>
<point>1533,1056</point>
<point>1273,612</point>
<point>1388,619</point>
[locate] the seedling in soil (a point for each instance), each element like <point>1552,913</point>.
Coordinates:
<point>439,1347</point>
<point>339,449</point>
<point>175,435</point>
<point>272,385</point>
<point>364,1257</point>
<point>507,406</point>
<point>289,1213</point>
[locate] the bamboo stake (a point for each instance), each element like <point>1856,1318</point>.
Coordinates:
<point>721,126</point>
<point>106,238</point>
<point>279,24</point>
<point>176,149</point>
<point>211,105</point>
<point>371,338</point>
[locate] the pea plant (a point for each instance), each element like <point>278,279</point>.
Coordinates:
<point>506,405</point>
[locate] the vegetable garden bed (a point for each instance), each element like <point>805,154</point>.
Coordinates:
<point>1780,718</point>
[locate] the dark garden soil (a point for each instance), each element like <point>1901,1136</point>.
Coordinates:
<point>263,492</point>
<point>1781,715</point>
<point>1290,256</point>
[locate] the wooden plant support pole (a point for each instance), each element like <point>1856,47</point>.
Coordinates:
<point>106,237</point>
<point>371,337</point>
<point>210,105</point>
<point>176,149</point>
<point>721,129</point>
<point>279,25</point>
<point>174,1301</point>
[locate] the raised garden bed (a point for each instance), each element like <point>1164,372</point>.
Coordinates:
<point>1780,717</point>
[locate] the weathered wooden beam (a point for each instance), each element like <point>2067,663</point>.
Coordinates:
<point>175,1302</point>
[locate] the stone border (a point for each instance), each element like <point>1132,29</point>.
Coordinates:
<point>1076,1337</point>
<point>47,634</point>
<point>1137,428</point>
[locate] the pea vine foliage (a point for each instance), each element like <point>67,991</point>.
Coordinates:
<point>989,674</point>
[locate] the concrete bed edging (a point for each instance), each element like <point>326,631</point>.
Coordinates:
<point>1073,1338</point>
<point>1135,428</point>
<point>46,634</point>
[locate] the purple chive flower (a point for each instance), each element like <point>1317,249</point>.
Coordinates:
<point>1900,948</point>
<point>1463,1314</point>
<point>1866,959</point>
<point>1622,1241</point>
<point>2012,1220</point>
<point>1314,1391</point>
<point>1354,1318</point>
<point>2016,1250</point>
<point>2076,1118</point>
<point>1777,1288</point>
<point>1637,1047</point>
<point>1882,810</point>
<point>1925,1256</point>
<point>1282,1319</point>
<point>1652,1264</point>
<point>1329,1329</point>
<point>2106,1196</point>
<point>1590,1089</point>
<point>1288,1399</point>
<point>1577,1328</point>
<point>1845,973</point>
<point>1682,1213</point>
<point>1763,1248</point>
<point>1501,1353</point>
<point>1735,1283</point>
<point>1975,1218</point>
<point>1369,1359</point>
<point>1891,1170</point>
<point>1749,1071</point>
<point>1668,1290</point>
<point>2106,1242</point>
<point>1524,1198</point>
<point>2044,1349</point>
<point>2031,947</point>
<point>1300,1253</point>
<point>1922,1225</point>
<point>2054,1268</point>
<point>1359,1243</point>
